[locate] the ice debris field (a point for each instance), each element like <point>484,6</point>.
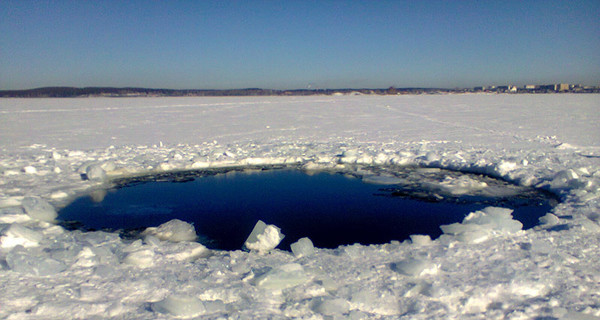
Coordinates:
<point>486,267</point>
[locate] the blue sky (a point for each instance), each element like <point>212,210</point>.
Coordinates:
<point>297,44</point>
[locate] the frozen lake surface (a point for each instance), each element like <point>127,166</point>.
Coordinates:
<point>485,267</point>
<point>330,208</point>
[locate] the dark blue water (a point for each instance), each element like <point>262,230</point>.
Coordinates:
<point>330,209</point>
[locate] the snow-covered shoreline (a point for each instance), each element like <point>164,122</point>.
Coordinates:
<point>550,142</point>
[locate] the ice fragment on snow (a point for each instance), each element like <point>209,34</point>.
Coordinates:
<point>285,276</point>
<point>17,234</point>
<point>377,302</point>
<point>35,263</point>
<point>151,240</point>
<point>193,252</point>
<point>565,179</point>
<point>478,226</point>
<point>13,215</point>
<point>39,209</point>
<point>263,237</point>
<point>302,248</point>
<point>59,195</point>
<point>420,239</point>
<point>458,186</point>
<point>549,220</point>
<point>494,218</point>
<point>413,267</point>
<point>504,167</point>
<point>142,258</point>
<point>174,230</point>
<point>181,306</point>
<point>95,173</point>
<point>432,156</point>
<point>30,170</point>
<point>330,306</point>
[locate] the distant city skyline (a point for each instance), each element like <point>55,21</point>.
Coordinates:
<point>298,44</point>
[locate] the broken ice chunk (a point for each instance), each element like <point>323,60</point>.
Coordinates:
<point>549,220</point>
<point>95,173</point>
<point>39,209</point>
<point>285,276</point>
<point>330,306</point>
<point>263,237</point>
<point>190,252</point>
<point>420,239</point>
<point>478,226</point>
<point>180,306</point>
<point>413,267</point>
<point>302,248</point>
<point>142,258</point>
<point>174,230</point>
<point>33,262</point>
<point>17,234</point>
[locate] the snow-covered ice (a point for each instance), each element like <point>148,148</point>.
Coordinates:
<point>53,150</point>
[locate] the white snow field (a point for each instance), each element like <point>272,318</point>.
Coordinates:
<point>483,268</point>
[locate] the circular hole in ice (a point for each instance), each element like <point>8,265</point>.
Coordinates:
<point>362,205</point>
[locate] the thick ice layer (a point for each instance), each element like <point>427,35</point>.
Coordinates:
<point>545,141</point>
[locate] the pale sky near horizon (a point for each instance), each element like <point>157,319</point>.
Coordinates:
<point>297,44</point>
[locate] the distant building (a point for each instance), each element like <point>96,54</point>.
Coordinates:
<point>512,88</point>
<point>562,87</point>
<point>548,87</point>
<point>479,89</point>
<point>530,87</point>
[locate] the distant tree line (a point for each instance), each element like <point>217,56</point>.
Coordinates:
<point>70,92</point>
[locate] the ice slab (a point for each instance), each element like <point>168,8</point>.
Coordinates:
<point>39,209</point>
<point>263,237</point>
